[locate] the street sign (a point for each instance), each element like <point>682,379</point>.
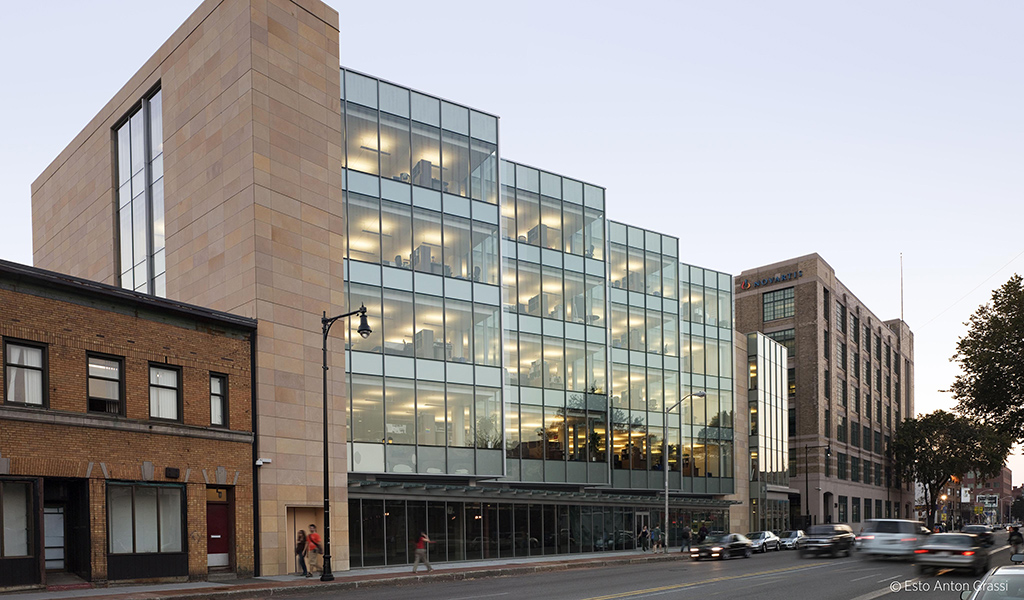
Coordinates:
<point>965,495</point>
<point>988,500</point>
<point>978,510</point>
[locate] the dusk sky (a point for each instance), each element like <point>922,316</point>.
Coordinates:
<point>753,131</point>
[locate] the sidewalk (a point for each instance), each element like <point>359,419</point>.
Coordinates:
<point>283,585</point>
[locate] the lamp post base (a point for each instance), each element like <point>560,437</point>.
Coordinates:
<point>326,573</point>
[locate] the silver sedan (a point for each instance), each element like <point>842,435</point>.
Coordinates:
<point>952,551</point>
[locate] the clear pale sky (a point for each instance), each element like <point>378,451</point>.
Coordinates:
<point>754,131</point>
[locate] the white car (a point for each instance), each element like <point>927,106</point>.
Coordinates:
<point>891,537</point>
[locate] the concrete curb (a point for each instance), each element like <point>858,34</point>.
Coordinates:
<point>282,589</point>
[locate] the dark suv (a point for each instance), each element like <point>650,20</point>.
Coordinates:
<point>833,539</point>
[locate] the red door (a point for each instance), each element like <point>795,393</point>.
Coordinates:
<point>218,544</point>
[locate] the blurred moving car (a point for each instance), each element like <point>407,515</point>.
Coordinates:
<point>793,540</point>
<point>723,546</point>
<point>832,538</point>
<point>983,531</point>
<point>952,551</point>
<point>999,583</point>
<point>891,537</point>
<point>763,541</point>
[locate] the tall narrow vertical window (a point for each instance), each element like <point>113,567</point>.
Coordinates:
<point>219,400</point>
<point>25,374</point>
<point>105,385</point>
<point>164,396</point>
<point>140,198</point>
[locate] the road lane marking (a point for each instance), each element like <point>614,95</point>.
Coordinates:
<point>705,582</point>
<point>484,596</point>
<point>865,577</point>
<point>888,579</point>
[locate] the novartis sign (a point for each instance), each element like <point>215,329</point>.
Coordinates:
<point>747,284</point>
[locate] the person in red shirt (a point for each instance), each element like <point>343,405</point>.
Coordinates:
<point>315,549</point>
<point>421,553</point>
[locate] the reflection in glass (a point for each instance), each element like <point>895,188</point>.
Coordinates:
<point>484,170</point>
<point>488,417</point>
<point>593,234</point>
<point>554,367</point>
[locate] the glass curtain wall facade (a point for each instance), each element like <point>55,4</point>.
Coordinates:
<point>140,197</point>
<point>767,393</point>
<point>556,394</point>
<point>706,320</point>
<point>423,257</point>
<point>497,341</point>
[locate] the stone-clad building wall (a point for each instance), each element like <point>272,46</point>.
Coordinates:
<point>253,194</point>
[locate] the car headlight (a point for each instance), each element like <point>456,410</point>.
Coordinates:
<point>716,549</point>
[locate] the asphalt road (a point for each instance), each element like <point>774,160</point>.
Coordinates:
<point>773,576</point>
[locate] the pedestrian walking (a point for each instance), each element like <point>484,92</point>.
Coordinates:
<point>1015,539</point>
<point>686,533</point>
<point>656,539</point>
<point>421,553</point>
<point>300,551</point>
<point>314,548</point>
<point>702,534</point>
<point>643,538</point>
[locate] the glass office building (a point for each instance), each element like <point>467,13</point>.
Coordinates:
<point>767,393</point>
<point>511,398</point>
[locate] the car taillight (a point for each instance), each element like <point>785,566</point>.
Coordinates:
<point>968,552</point>
<point>866,537</point>
<point>919,551</point>
<point>908,540</point>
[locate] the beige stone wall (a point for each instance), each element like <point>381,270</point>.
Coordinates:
<point>253,158</point>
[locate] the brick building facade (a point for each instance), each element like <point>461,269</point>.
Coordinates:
<point>126,443</point>
<point>851,381</point>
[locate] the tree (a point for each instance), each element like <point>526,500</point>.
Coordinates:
<point>932,449</point>
<point>991,356</point>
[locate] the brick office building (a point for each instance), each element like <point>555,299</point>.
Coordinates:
<point>125,434</point>
<point>851,381</point>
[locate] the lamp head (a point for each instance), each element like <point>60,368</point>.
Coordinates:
<point>700,393</point>
<point>364,327</point>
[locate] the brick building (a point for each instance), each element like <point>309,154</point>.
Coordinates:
<point>126,443</point>
<point>851,381</point>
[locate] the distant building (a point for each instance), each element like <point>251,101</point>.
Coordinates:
<point>990,498</point>
<point>126,442</point>
<point>850,384</point>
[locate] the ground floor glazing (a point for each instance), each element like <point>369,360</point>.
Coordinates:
<point>385,531</point>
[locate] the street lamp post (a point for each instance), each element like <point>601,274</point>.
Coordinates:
<point>365,331</point>
<point>807,478</point>
<point>664,453</point>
